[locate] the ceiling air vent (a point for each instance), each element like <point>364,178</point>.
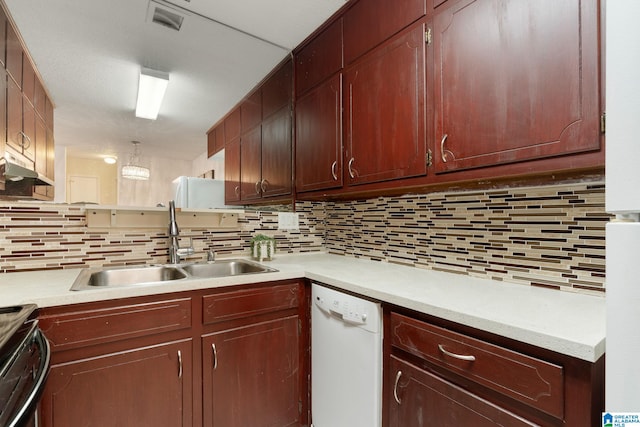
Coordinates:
<point>165,17</point>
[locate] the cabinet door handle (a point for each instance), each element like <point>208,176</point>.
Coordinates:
<point>444,152</point>
<point>215,356</point>
<point>25,136</point>
<point>395,388</point>
<point>468,358</point>
<point>334,165</point>
<point>237,190</point>
<point>263,185</point>
<point>351,173</point>
<point>258,187</point>
<point>179,364</point>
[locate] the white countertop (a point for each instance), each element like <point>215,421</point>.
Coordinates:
<point>565,322</point>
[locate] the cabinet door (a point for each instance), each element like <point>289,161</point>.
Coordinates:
<point>149,386</point>
<point>14,55</point>
<point>319,59</point>
<point>277,155</point>
<point>424,398</point>
<point>319,137</point>
<point>277,90</point>
<point>232,172</point>
<point>368,23</point>
<point>250,165</point>
<point>232,127</point>
<point>29,129</point>
<point>385,111</point>
<point>215,140</point>
<point>251,111</point>
<point>251,375</point>
<point>515,80</point>
<point>14,116</point>
<point>41,156</point>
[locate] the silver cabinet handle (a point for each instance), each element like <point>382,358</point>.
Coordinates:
<point>25,136</point>
<point>237,190</point>
<point>351,173</point>
<point>258,187</point>
<point>263,185</point>
<point>334,174</point>
<point>179,364</point>
<point>215,356</point>
<point>395,388</point>
<point>468,358</point>
<point>444,152</point>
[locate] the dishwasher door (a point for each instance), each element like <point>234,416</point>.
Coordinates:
<point>346,360</point>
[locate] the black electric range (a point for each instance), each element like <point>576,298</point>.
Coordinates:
<point>24,365</point>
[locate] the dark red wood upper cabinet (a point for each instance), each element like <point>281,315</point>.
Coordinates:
<point>369,22</point>
<point>215,140</point>
<point>320,58</point>
<point>319,137</point>
<point>251,165</point>
<point>384,98</point>
<point>277,176</point>
<point>277,89</point>
<point>28,80</point>
<point>515,80</point>
<point>40,99</point>
<point>232,126</point>
<point>3,37</point>
<point>232,172</point>
<point>251,111</point>
<point>14,55</point>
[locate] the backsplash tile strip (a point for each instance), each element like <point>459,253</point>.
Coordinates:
<point>551,236</point>
<point>48,237</point>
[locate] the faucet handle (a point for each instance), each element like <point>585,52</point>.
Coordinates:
<point>211,256</point>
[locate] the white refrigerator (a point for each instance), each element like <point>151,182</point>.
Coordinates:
<point>622,370</point>
<point>198,193</point>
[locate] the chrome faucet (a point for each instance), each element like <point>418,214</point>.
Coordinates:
<point>175,251</point>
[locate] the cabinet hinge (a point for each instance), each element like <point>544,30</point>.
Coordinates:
<point>603,122</point>
<point>429,158</point>
<point>427,36</point>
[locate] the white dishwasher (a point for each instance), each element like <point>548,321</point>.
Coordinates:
<point>346,360</point>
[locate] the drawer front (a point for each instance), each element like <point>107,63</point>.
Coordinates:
<point>91,326</point>
<point>249,302</point>
<point>529,380</point>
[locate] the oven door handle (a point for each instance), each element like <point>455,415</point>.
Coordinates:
<point>41,376</point>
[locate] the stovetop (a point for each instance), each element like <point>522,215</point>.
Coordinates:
<point>15,322</point>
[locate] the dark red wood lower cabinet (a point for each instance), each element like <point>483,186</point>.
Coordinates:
<point>148,386</point>
<point>250,375</point>
<point>426,400</point>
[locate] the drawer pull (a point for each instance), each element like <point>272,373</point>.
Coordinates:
<point>395,388</point>
<point>179,364</point>
<point>215,356</point>
<point>456,356</point>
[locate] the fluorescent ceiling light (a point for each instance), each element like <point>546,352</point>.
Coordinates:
<point>151,89</point>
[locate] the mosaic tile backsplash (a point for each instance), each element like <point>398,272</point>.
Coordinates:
<point>552,236</point>
<point>37,237</point>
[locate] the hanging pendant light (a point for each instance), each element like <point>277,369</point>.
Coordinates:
<point>133,170</point>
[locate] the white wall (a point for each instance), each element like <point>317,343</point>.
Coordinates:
<point>204,164</point>
<point>159,188</point>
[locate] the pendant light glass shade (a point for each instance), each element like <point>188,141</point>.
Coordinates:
<point>133,170</point>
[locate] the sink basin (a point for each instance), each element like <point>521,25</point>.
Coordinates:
<point>95,278</point>
<point>223,268</point>
<point>127,276</point>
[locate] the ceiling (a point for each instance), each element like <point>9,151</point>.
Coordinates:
<point>89,54</point>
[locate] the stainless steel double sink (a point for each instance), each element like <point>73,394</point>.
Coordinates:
<point>96,278</point>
